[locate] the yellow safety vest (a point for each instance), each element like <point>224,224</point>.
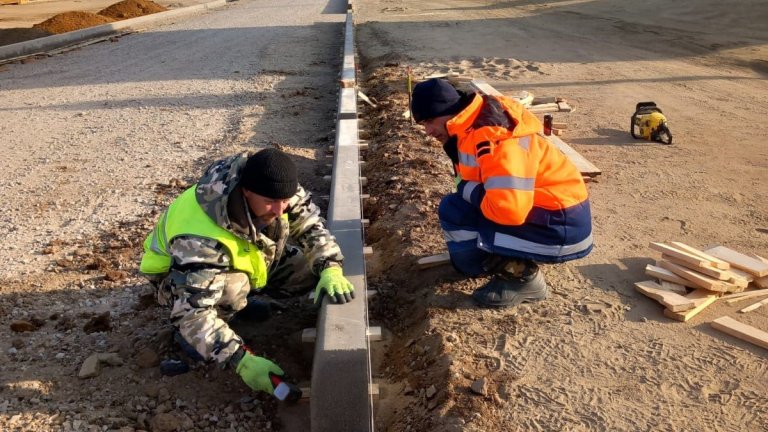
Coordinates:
<point>185,217</point>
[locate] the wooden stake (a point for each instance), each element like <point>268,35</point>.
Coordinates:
<point>433,260</point>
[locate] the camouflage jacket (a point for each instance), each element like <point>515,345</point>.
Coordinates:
<point>196,286</point>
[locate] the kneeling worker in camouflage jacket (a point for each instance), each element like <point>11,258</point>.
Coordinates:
<point>226,237</point>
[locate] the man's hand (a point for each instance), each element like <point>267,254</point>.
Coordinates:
<point>255,372</point>
<point>333,283</point>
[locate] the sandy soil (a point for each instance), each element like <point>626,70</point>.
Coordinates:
<point>97,141</point>
<point>24,16</point>
<point>596,355</point>
<point>19,23</point>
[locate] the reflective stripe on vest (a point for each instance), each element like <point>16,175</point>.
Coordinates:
<point>185,217</point>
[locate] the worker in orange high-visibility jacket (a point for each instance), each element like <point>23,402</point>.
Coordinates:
<point>519,200</point>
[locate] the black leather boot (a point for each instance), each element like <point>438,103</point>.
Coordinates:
<point>516,282</point>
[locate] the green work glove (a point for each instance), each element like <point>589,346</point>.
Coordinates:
<point>255,372</point>
<point>333,283</point>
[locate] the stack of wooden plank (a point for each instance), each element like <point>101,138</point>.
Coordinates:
<point>709,273</point>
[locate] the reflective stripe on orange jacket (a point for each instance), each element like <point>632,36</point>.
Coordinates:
<point>507,168</point>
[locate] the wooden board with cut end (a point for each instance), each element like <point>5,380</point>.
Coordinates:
<point>681,255</point>
<point>702,299</point>
<point>673,301</point>
<point>741,331</point>
<point>666,275</point>
<point>584,166</point>
<point>705,270</point>
<point>739,260</point>
<point>433,260</point>
<point>700,280</point>
<point>717,262</point>
<point>734,298</point>
<point>761,282</point>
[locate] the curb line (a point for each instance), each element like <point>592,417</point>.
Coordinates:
<point>40,45</point>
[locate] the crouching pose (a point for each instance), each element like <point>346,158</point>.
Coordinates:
<point>519,200</point>
<point>227,237</point>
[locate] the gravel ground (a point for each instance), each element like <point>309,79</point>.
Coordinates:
<point>96,141</point>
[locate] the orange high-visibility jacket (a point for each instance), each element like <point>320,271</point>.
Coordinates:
<point>498,146</point>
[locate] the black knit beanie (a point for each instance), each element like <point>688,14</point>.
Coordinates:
<point>434,98</point>
<point>270,173</point>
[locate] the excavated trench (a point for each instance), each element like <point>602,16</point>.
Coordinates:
<point>408,174</point>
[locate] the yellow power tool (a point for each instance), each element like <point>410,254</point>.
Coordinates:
<point>648,122</point>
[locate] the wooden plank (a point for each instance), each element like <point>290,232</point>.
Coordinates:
<point>706,270</point>
<point>739,260</point>
<point>761,282</point>
<point>666,275</point>
<point>673,301</point>
<point>484,88</point>
<point>702,298</point>
<point>680,255</point>
<point>741,331</point>
<point>544,108</point>
<point>433,260</point>
<point>582,164</point>
<point>698,279</point>
<point>739,278</point>
<point>564,107</point>
<point>673,287</point>
<point>754,306</point>
<point>716,262</point>
<point>747,294</point>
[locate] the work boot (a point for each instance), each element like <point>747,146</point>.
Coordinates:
<point>517,282</point>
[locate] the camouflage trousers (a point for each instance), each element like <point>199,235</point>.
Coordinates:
<point>289,277</point>
<point>203,301</point>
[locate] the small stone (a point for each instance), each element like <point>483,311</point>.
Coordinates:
<point>112,359</point>
<point>163,394</point>
<point>90,367</point>
<point>115,275</point>
<point>147,358</point>
<point>595,307</point>
<point>21,326</point>
<point>151,390</point>
<point>99,323</point>
<point>60,356</point>
<point>165,422</point>
<point>478,386</point>
<point>431,391</point>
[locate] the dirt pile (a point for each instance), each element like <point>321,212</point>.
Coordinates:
<point>77,20</point>
<point>131,9</point>
<point>70,21</point>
